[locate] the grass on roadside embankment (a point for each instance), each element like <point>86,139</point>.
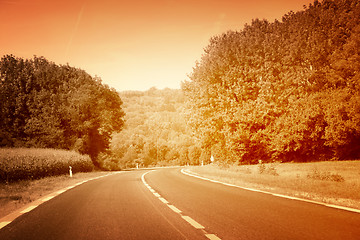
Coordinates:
<point>329,182</point>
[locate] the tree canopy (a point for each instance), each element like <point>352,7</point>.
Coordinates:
<point>46,105</point>
<point>155,131</point>
<point>287,90</point>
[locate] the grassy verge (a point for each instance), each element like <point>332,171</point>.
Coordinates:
<point>16,195</point>
<point>329,182</point>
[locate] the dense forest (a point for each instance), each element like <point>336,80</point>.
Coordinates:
<point>44,105</point>
<point>286,91</point>
<point>155,131</point>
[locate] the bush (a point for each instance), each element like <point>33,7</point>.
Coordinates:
<point>327,176</point>
<point>32,163</point>
<point>267,169</point>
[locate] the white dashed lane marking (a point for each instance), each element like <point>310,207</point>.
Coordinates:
<point>163,200</point>
<point>175,209</point>
<point>212,237</point>
<point>194,223</point>
<point>188,219</point>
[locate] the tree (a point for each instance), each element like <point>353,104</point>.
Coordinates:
<point>46,105</point>
<point>282,90</point>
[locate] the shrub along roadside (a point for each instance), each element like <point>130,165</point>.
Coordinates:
<point>34,163</point>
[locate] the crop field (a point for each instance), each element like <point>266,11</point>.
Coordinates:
<point>33,163</point>
<point>335,182</point>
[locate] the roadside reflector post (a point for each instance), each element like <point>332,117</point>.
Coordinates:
<point>70,171</point>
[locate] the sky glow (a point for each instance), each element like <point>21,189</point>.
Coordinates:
<point>130,45</point>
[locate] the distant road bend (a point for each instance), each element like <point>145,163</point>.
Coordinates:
<point>166,204</point>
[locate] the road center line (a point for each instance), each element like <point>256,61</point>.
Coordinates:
<point>194,223</point>
<point>212,237</point>
<point>188,219</point>
<point>175,209</point>
<point>163,200</point>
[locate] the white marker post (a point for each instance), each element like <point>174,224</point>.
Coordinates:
<point>70,171</point>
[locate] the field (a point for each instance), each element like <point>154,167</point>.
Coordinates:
<point>330,182</point>
<point>32,163</point>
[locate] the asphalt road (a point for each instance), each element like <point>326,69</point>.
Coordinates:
<point>121,206</point>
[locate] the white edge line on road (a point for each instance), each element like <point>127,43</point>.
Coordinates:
<point>28,209</point>
<point>60,191</point>
<point>47,198</point>
<point>189,173</point>
<point>3,224</point>
<point>9,218</point>
<point>188,219</point>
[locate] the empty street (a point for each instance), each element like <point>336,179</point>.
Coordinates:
<point>166,204</point>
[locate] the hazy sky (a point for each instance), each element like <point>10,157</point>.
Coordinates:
<point>131,45</point>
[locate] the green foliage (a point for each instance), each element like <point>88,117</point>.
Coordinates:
<point>284,91</point>
<point>50,106</point>
<point>155,131</point>
<point>23,164</point>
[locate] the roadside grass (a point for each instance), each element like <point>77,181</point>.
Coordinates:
<point>334,182</point>
<point>17,194</point>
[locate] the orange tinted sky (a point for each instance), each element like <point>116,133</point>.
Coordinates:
<point>131,45</point>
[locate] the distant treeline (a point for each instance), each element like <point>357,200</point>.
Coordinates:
<point>45,105</point>
<point>155,131</point>
<point>287,90</point>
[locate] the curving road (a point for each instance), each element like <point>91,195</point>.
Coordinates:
<point>165,204</point>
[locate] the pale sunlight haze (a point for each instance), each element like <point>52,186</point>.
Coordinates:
<point>130,45</point>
